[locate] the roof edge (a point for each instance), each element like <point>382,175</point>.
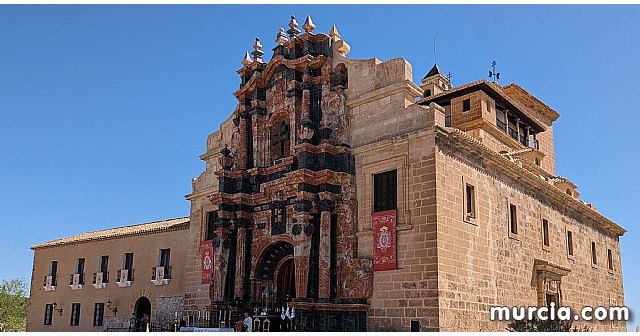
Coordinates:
<point>113,233</point>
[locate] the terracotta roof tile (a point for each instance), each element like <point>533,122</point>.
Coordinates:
<point>132,230</point>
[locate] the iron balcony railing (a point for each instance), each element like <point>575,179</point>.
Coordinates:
<point>54,280</point>
<point>80,278</point>
<point>129,274</point>
<point>167,273</point>
<point>105,277</point>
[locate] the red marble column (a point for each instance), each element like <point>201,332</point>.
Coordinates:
<point>325,206</point>
<point>240,261</point>
<point>242,142</point>
<point>301,250</point>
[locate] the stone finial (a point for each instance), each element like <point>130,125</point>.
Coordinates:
<point>281,38</point>
<point>293,25</point>
<point>333,33</point>
<point>339,45</point>
<point>257,51</point>
<point>308,25</point>
<point>247,59</point>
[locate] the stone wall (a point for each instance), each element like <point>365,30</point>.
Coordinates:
<point>481,264</point>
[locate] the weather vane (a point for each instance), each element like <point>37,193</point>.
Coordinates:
<point>493,74</point>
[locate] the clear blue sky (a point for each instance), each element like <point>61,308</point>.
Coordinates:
<point>104,110</point>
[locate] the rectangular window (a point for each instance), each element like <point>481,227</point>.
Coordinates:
<point>513,219</point>
<point>470,201</point>
<point>570,243</point>
<point>385,191</point>
<point>545,232</point>
<point>165,257</point>
<point>501,120</point>
<point>75,314</point>
<point>98,314</point>
<point>53,272</point>
<point>594,256</point>
<point>212,217</point>
<point>104,268</point>
<point>80,269</point>
<point>128,261</point>
<point>610,259</point>
<point>165,261</point>
<point>48,314</point>
<point>466,105</point>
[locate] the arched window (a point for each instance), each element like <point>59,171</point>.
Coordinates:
<point>280,141</point>
<point>427,93</point>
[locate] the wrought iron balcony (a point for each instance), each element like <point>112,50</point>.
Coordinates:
<point>166,273</point>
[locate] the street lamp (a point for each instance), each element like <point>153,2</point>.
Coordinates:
<point>113,309</point>
<point>59,310</point>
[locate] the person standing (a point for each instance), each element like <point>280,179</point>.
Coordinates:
<point>133,323</point>
<point>145,322</point>
<point>248,322</point>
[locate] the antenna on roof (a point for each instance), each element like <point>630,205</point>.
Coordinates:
<point>435,55</point>
<point>495,76</point>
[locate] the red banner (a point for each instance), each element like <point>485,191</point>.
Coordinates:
<point>384,240</point>
<point>206,253</point>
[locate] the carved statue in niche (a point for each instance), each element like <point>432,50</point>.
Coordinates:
<point>216,291</point>
<point>356,277</point>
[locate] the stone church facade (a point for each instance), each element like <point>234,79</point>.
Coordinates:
<point>319,144</point>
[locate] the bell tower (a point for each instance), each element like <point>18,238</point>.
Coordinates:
<point>435,82</point>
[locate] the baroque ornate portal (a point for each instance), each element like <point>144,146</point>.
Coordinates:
<point>286,204</point>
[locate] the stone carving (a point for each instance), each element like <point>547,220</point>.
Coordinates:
<point>226,160</point>
<point>334,116</point>
<point>356,278</point>
<point>339,76</point>
<point>235,144</point>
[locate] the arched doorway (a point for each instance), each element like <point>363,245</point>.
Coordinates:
<point>275,275</point>
<point>142,308</point>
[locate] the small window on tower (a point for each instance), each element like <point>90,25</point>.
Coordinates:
<point>545,233</point>
<point>609,259</point>
<point>470,201</point>
<point>570,243</point>
<point>212,217</point>
<point>594,255</point>
<point>513,219</point>
<point>385,191</point>
<point>466,105</point>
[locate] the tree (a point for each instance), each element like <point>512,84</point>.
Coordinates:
<point>13,305</point>
<point>544,326</point>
